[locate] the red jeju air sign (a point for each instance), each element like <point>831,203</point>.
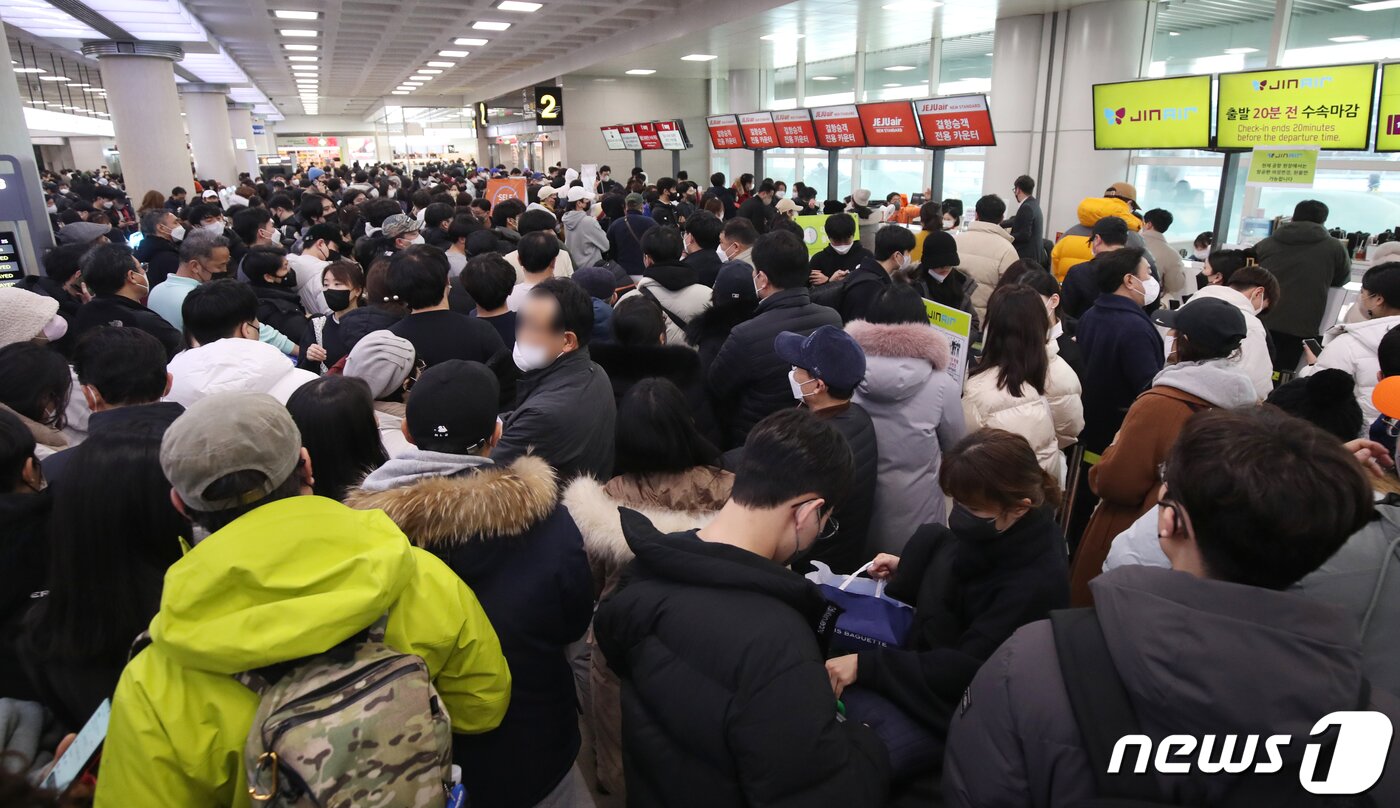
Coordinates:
<point>838,127</point>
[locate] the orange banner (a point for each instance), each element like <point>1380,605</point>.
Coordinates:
<point>498,190</point>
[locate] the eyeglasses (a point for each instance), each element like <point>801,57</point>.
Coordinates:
<point>828,532</point>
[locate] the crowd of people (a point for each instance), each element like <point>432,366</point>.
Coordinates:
<point>561,464</point>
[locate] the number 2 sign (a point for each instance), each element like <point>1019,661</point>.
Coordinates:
<point>549,106</point>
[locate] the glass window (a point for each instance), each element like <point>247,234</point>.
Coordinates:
<point>832,81</point>
<point>897,73</point>
<point>967,65</point>
<point>1188,190</point>
<point>1321,36</point>
<point>962,179</point>
<point>1357,199</point>
<point>782,88</point>
<point>814,172</point>
<point>885,175</point>
<point>1190,38</point>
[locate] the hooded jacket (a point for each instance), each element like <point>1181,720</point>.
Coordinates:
<point>1190,652</point>
<point>676,287</point>
<point>233,365</point>
<point>855,296</point>
<point>1352,347</point>
<point>1253,359</point>
<point>1126,479</point>
<point>566,416</point>
<point>985,250</point>
<point>584,239</point>
<point>628,364</point>
<point>502,531</point>
<point>1049,421</point>
<point>725,695</point>
<point>1075,247</point>
<point>1307,262</point>
<point>706,264</point>
<point>913,404</point>
<point>285,581</point>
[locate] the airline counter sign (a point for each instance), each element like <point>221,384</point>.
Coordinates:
<point>794,127</point>
<point>1328,107</point>
<point>612,136</point>
<point>630,139</point>
<point>1169,113</point>
<point>955,121</point>
<point>889,123</point>
<point>724,132</point>
<point>671,135</point>
<point>838,127</point>
<point>758,129</point>
<point>1388,122</point>
<point>646,133</point>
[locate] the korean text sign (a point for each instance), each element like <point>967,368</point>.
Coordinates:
<point>724,132</point>
<point>959,120</point>
<point>1328,107</point>
<point>759,132</point>
<point>795,129</point>
<point>838,127</point>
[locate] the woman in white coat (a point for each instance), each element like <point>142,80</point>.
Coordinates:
<point>1022,385</point>
<point>1352,346</point>
<point>913,403</point>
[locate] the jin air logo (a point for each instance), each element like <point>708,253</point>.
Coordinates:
<point>1118,117</point>
<point>1309,83</point>
<point>1114,116</point>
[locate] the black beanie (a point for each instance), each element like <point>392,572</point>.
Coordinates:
<point>1326,399</point>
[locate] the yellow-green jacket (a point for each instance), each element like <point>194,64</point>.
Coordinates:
<point>290,579</point>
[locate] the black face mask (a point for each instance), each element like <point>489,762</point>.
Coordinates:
<point>971,527</point>
<point>337,299</point>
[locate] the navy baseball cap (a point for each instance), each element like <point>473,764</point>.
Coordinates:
<point>828,353</point>
<point>1209,323</point>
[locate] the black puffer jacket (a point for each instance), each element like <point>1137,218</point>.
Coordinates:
<point>567,416</point>
<point>846,551</point>
<point>628,364</point>
<point>281,308</point>
<point>161,257</point>
<point>725,697</point>
<point>747,379</point>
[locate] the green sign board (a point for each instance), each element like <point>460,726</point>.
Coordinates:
<point>956,326</point>
<point>814,231</point>
<point>1283,168</point>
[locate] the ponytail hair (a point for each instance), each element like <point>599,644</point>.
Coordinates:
<point>993,468</point>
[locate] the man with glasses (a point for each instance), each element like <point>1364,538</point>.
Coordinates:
<point>725,696</point>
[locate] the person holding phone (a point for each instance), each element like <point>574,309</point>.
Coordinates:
<point>1353,346</point>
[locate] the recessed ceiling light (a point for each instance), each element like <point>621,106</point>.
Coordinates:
<point>466,40</point>
<point>312,82</point>
<point>30,70</point>
<point>1173,33</point>
<point>780,37</point>
<point>421,78</point>
<point>988,53</point>
<point>1241,50</point>
<point>400,92</point>
<point>640,71</point>
<point>303,58</point>
<point>283,14</point>
<point>912,5</point>
<point>823,78</point>
<point>490,26</point>
<point>440,64</point>
<point>94,90</point>
<point>300,47</point>
<point>53,78</point>
<point>899,68</point>
<point>516,5</point>
<point>1381,6</point>
<point>1352,38</point>
<point>453,53</point>
<point>299,32</point>
<point>699,57</point>
<point>896,84</point>
<point>77,85</point>
<point>428,72</point>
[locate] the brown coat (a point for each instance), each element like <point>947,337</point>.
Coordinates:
<point>1126,478</point>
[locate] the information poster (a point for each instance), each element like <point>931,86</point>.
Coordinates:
<point>838,127</point>
<point>629,137</point>
<point>889,123</point>
<point>1283,168</point>
<point>956,326</point>
<point>1328,107</point>
<point>724,132</point>
<point>11,267</point>
<point>795,129</point>
<point>1154,114</point>
<point>612,136</point>
<point>498,190</point>
<point>1388,121</point>
<point>758,130</point>
<point>814,231</point>
<point>959,120</point>
<point>646,134</point>
<point>672,135</point>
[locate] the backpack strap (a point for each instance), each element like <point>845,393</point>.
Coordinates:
<point>1100,702</point>
<point>650,295</point>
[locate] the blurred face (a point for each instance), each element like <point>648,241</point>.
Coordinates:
<point>167,225</point>
<point>729,247</point>
<point>535,328</point>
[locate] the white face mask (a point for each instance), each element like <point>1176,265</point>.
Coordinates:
<point>52,208</point>
<point>779,194</point>
<point>178,234</point>
<point>723,256</point>
<point>949,223</point>
<point>842,249</point>
<point>1202,255</point>
<point>1150,289</point>
<point>906,262</point>
<point>217,228</point>
<point>531,357</point>
<point>797,386</point>
<point>418,239</point>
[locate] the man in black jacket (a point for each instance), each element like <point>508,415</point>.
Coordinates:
<point>842,252</point>
<point>893,246</point>
<point>725,699</point>
<point>1028,225</point>
<point>747,379</point>
<point>158,250</point>
<point>759,207</point>
<point>702,231</point>
<point>723,193</point>
<point>566,413</point>
<point>118,284</point>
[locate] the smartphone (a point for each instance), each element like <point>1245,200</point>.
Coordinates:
<point>82,753</point>
<point>1314,346</point>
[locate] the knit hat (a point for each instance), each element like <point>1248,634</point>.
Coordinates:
<point>383,359</point>
<point>23,315</point>
<point>453,407</point>
<point>1326,399</point>
<point>861,196</point>
<point>940,250</point>
<point>596,281</point>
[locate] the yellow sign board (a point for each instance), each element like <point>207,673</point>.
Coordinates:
<point>1283,168</point>
<point>1388,121</point>
<point>1328,107</point>
<point>1154,114</point>
<point>814,232</point>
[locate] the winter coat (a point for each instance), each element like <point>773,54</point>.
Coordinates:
<point>1028,230</point>
<point>285,581</point>
<point>1352,347</point>
<point>1307,262</point>
<point>365,320</point>
<point>628,364</point>
<point>1049,421</point>
<point>847,550</point>
<point>1122,353</point>
<point>913,404</point>
<point>860,290</point>
<point>985,251</point>
<point>1190,652</point>
<point>1170,267</point>
<point>829,262</point>
<point>566,416</point>
<point>1253,359</point>
<point>1075,247</point>
<point>233,365</point>
<point>116,310</point>
<point>759,212</point>
<point>711,328</point>
<point>281,308</point>
<point>24,570</point>
<point>146,419</point>
<point>1126,479</point>
<point>747,379</point>
<point>584,238</point>
<point>501,529</point>
<point>673,503</point>
<point>706,264</point>
<point>676,288</point>
<point>725,695</point>
<point>563,264</point>
<point>161,257</point>
<point>625,236</point>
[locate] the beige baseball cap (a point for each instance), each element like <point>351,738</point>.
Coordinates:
<point>221,434</point>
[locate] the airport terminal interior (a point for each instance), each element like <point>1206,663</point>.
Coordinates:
<point>654,403</point>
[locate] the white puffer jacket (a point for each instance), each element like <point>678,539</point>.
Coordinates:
<point>233,365</point>
<point>1352,347</point>
<point>1049,422</point>
<point>984,252</point>
<point>1253,360</point>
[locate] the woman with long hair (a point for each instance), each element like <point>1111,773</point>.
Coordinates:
<point>1062,326</point>
<point>1021,384</point>
<point>153,200</point>
<point>343,289</point>
<point>335,415</point>
<point>35,384</point>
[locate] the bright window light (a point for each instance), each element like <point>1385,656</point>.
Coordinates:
<point>516,5</point>
<point>455,54</point>
<point>823,78</point>
<point>1344,39</point>
<point>301,47</point>
<point>894,85</point>
<point>1233,51</point>
<point>1381,6</point>
<point>640,71</point>
<point>284,14</point>
<point>490,26</point>
<point>780,37</point>
<point>466,40</point>
<point>899,68</point>
<point>307,32</point>
<point>699,57</point>
<point>441,64</point>
<point>912,5</point>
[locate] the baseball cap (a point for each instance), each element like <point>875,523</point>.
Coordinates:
<point>579,192</point>
<point>596,281</point>
<point>635,200</point>
<point>383,359</point>
<point>786,206</point>
<point>211,440</point>
<point>734,286</point>
<point>829,353</point>
<point>940,250</point>
<point>399,224</point>
<point>453,407</point>
<point>546,191</point>
<point>1123,189</point>
<point>1212,325</point>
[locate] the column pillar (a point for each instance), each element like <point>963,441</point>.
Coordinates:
<point>1103,42</point>
<point>1018,103</point>
<point>240,124</point>
<point>211,140</point>
<point>87,152</point>
<point>140,81</point>
<point>36,236</point>
<point>263,140</point>
<point>745,95</point>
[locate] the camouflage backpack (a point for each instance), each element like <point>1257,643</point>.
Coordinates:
<point>358,725</point>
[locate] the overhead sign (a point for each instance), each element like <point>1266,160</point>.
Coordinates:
<point>724,132</point>
<point>672,134</point>
<point>759,132</point>
<point>325,142</point>
<point>549,106</point>
<point>838,127</point>
<point>1283,168</point>
<point>630,140</point>
<point>1153,114</point>
<point>646,133</point>
<point>889,123</point>
<point>483,118</point>
<point>1328,107</point>
<point>958,120</point>
<point>794,128</point>
<point>1388,120</point>
<point>612,136</point>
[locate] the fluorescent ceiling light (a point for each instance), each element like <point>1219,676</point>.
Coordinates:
<point>94,90</point>
<point>894,85</point>
<point>823,78</point>
<point>427,72</point>
<point>1381,6</point>
<point>1234,51</point>
<point>780,37</point>
<point>912,5</point>
<point>989,53</point>
<point>53,78</point>
<point>466,40</point>
<point>1353,38</point>
<point>300,47</point>
<point>640,71</point>
<point>899,68</point>
<point>77,85</point>
<point>440,64</point>
<point>490,26</point>
<point>283,14</point>
<point>308,82</point>
<point>400,92</point>
<point>299,32</point>
<point>699,57</point>
<point>456,54</point>
<point>1173,33</point>
<point>516,5</point>
<point>303,58</point>
<point>30,70</point>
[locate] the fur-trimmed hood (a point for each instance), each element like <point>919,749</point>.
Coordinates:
<point>906,340</point>
<point>490,502</point>
<point>597,517</point>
